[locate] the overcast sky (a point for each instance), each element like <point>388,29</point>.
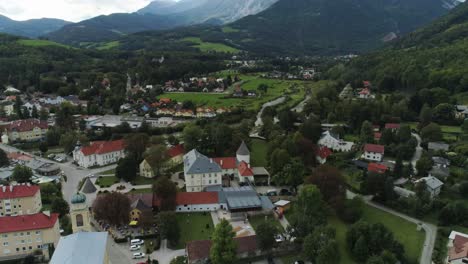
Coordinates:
<point>71,10</point>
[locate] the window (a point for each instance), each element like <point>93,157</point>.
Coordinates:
<point>5,244</point>
<point>79,220</point>
<point>6,251</point>
<point>4,235</point>
<point>17,249</point>
<point>38,232</point>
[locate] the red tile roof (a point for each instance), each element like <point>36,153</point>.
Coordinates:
<point>245,170</point>
<point>364,91</point>
<point>200,250</point>
<point>392,126</point>
<point>27,125</point>
<point>377,168</point>
<point>377,135</point>
<point>27,222</point>
<point>366,83</point>
<point>197,198</point>
<point>19,156</point>
<point>459,249</point>
<point>374,148</point>
<point>18,191</point>
<point>226,163</point>
<point>176,151</point>
<point>101,147</point>
<point>323,152</point>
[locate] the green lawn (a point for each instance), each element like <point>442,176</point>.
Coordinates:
<point>193,227</point>
<point>108,172</point>
<point>109,45</point>
<point>230,30</point>
<point>255,221</point>
<point>341,229</point>
<point>210,46</point>
<point>259,152</point>
<point>137,191</point>
<point>290,259</point>
<point>107,181</point>
<point>40,43</point>
<point>405,232</point>
<point>143,181</point>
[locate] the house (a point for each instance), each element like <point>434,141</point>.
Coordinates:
<point>283,205</point>
<point>373,152</point>
<point>200,172</point>
<point>457,248</point>
<point>8,107</point>
<point>437,146</point>
<point>99,153</point>
<point>138,208</point>
<point>198,252</point>
<point>439,172</point>
<point>245,173</point>
<point>392,126</point>
<point>30,107</point>
<point>365,93</point>
<point>198,202</point>
<point>23,235</point>
<point>82,247</point>
<point>176,154</point>
<point>333,142</point>
<point>402,192</point>
<point>322,154</point>
<point>441,162</point>
<point>20,199</point>
<point>433,185</point>
<point>377,168</point>
<point>27,130</point>
<point>43,168</point>
<point>146,170</point>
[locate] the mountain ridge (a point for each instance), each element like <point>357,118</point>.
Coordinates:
<point>31,28</point>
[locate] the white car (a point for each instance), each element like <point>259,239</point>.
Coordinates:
<point>134,242</point>
<point>279,238</point>
<point>138,255</point>
<point>135,247</point>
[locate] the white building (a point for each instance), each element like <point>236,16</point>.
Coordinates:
<point>433,185</point>
<point>198,202</point>
<point>333,142</point>
<point>99,153</point>
<point>373,152</point>
<point>200,172</point>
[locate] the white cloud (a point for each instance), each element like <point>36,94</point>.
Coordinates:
<point>71,10</point>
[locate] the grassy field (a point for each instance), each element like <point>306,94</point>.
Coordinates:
<point>193,227</point>
<point>40,43</point>
<point>210,46</point>
<point>229,30</point>
<point>255,221</point>
<point>108,172</point>
<point>341,229</point>
<point>138,191</point>
<point>259,153</point>
<point>107,180</point>
<point>143,181</point>
<point>109,45</point>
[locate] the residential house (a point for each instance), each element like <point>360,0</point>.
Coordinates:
<point>322,154</point>
<point>373,152</point>
<point>146,170</point>
<point>20,200</point>
<point>8,107</point>
<point>440,169</point>
<point>245,173</point>
<point>30,107</point>
<point>138,208</point>
<point>176,154</point>
<point>457,248</point>
<point>200,172</point>
<point>433,185</point>
<point>333,142</point>
<point>99,153</point>
<point>377,168</point>
<point>377,136</point>
<point>27,130</point>
<point>23,235</point>
<point>365,93</point>
<point>437,146</point>
<point>402,192</point>
<point>392,126</point>
<point>82,247</point>
<point>198,252</point>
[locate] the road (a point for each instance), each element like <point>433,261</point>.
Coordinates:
<point>429,229</point>
<point>277,101</point>
<point>300,107</point>
<point>417,153</point>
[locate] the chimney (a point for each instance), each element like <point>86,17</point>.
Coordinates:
<point>221,161</point>
<point>4,188</point>
<point>47,213</point>
<point>28,184</point>
<point>211,160</point>
<point>11,188</point>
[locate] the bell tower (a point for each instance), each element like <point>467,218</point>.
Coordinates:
<point>79,214</point>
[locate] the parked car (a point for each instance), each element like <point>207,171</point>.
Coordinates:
<point>285,192</point>
<point>138,255</point>
<point>279,238</point>
<point>135,247</point>
<point>134,242</point>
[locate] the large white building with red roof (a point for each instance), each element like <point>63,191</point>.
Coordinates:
<point>99,153</point>
<point>19,200</point>
<point>23,235</point>
<point>27,130</point>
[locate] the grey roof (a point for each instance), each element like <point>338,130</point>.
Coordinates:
<point>35,164</point>
<point>260,171</point>
<point>242,197</point>
<point>439,172</point>
<point>438,146</point>
<point>88,187</point>
<point>331,134</point>
<point>195,163</point>
<point>403,192</point>
<point>140,205</point>
<point>441,161</point>
<point>432,182</point>
<point>82,247</point>
<point>243,150</point>
<point>266,203</point>
<point>5,173</point>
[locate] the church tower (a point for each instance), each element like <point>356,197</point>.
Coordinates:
<point>79,213</point>
<point>243,153</point>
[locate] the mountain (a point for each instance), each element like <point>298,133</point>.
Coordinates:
<point>332,27</point>
<point>107,28</point>
<point>165,7</point>
<point>433,56</point>
<point>30,28</point>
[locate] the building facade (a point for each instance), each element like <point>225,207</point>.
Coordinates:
<point>373,152</point>
<point>28,130</point>
<point>200,172</point>
<point>99,153</point>
<point>20,200</point>
<point>79,214</point>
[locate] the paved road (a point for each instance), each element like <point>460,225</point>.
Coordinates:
<point>430,229</point>
<point>300,107</point>
<point>417,153</point>
<point>277,101</point>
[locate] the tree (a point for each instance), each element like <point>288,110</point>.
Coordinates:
<point>286,119</point>
<point>431,132</point>
<point>404,134</point>
<point>173,140</point>
<point>64,116</point>
<point>157,157</point>
<point>223,249</point>
<point>465,127</point>
<point>43,114</point>
<point>135,146</point>
<point>292,174</point>
<point>387,137</point>
<point>266,232</point>
<point>192,136</point>
<point>309,211</point>
<point>169,227</point>
<point>352,210</point>
<point>328,253</point>
<point>4,161</point>
<point>60,206</point>
<point>425,116</point>
<point>53,137</point>
<point>126,169</point>
<point>316,245</point>
<point>22,174</point>
<point>165,190</point>
<point>367,132</point>
<point>424,165</point>
<point>262,87</point>
<point>43,147</point>
<point>113,208</point>
<point>312,129</point>
<point>331,184</point>
<point>463,189</point>
<point>49,191</point>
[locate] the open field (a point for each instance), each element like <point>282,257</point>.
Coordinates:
<point>259,152</point>
<point>229,30</point>
<point>193,226</point>
<point>341,229</point>
<point>40,43</point>
<point>107,181</point>
<point>210,46</point>
<point>137,191</point>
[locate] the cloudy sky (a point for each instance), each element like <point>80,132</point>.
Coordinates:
<point>71,10</point>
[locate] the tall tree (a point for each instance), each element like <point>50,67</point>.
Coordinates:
<point>223,249</point>
<point>113,208</point>
<point>157,157</point>
<point>169,227</point>
<point>431,132</point>
<point>135,145</point>
<point>60,206</point>
<point>165,190</point>
<point>266,232</point>
<point>312,129</point>
<point>331,184</point>
<point>4,161</point>
<point>22,174</point>
<point>126,169</point>
<point>192,136</point>
<point>425,116</point>
<point>367,132</point>
<point>309,211</point>
<point>316,244</point>
<point>292,174</point>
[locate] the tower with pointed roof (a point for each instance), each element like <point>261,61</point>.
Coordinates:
<point>243,153</point>
<point>79,213</point>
